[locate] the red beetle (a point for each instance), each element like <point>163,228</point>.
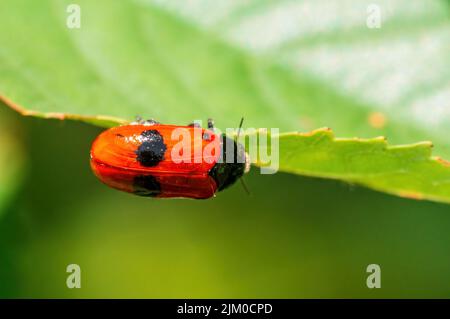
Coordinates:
<point>139,158</point>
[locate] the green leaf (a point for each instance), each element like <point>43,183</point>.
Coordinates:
<point>404,170</point>
<point>294,65</point>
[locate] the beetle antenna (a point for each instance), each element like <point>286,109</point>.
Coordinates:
<point>239,129</point>
<point>244,186</point>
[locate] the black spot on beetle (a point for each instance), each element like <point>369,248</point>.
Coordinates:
<point>152,149</point>
<point>146,185</point>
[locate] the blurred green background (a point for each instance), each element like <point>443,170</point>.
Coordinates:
<point>293,237</point>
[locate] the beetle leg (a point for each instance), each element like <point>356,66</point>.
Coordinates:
<point>211,124</point>
<point>206,136</point>
<point>140,121</point>
<point>150,122</point>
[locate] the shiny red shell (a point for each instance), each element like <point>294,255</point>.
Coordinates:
<point>115,162</point>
